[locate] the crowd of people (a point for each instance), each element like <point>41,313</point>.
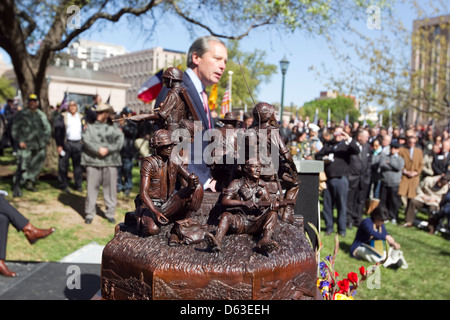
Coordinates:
<point>366,167</point>
<point>98,150</point>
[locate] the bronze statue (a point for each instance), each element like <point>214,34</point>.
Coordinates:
<point>158,200</point>
<point>284,177</point>
<point>176,111</point>
<point>224,168</point>
<point>249,210</point>
<point>138,264</point>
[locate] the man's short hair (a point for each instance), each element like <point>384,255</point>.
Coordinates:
<point>201,45</point>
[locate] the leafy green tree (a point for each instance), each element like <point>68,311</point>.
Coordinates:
<point>253,67</point>
<point>403,68</point>
<point>339,108</point>
<point>6,90</point>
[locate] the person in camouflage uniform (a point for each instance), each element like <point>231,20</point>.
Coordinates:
<point>32,130</point>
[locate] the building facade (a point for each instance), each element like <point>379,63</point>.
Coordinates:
<point>94,51</point>
<point>82,83</point>
<point>136,67</point>
<point>430,70</point>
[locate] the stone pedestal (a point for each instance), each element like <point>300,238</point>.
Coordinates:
<point>307,204</point>
<point>135,267</point>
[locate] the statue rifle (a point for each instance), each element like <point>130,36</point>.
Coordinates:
<point>184,95</point>
<point>140,117</point>
<point>281,203</point>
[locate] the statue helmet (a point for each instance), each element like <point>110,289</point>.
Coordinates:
<point>161,138</point>
<point>263,111</point>
<point>173,73</point>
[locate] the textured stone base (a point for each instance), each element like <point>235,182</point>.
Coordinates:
<point>134,267</point>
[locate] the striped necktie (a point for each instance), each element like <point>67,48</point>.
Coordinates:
<point>205,106</point>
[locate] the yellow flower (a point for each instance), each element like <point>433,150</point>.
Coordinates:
<point>340,296</point>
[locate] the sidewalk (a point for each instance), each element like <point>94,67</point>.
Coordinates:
<point>52,280</point>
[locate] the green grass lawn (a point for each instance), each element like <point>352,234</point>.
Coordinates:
<point>428,256</point>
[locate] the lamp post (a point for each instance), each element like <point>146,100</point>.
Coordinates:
<point>283,66</point>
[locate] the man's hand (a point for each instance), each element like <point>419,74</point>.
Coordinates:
<point>103,151</point>
<point>22,145</point>
<point>250,204</point>
<point>161,218</point>
<point>193,181</point>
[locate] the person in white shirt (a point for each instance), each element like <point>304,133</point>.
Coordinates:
<point>67,134</point>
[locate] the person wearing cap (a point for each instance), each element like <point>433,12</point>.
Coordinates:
<point>391,167</point>
<point>277,164</point>
<point>32,130</point>
<point>316,144</point>
<point>158,201</point>
<point>67,129</point>
<point>102,142</point>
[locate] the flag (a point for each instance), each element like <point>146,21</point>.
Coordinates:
<point>431,124</point>
<point>316,116</point>
<point>65,102</point>
<point>225,102</point>
<point>151,88</point>
<point>329,118</point>
<point>347,121</point>
<point>212,101</point>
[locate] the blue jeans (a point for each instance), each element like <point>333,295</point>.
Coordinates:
<point>335,195</point>
<point>124,176</point>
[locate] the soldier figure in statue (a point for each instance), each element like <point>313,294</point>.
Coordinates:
<point>265,130</point>
<point>158,201</point>
<point>224,168</point>
<point>248,210</point>
<point>176,111</point>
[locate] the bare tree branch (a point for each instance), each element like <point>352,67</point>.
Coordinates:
<point>102,15</point>
<point>180,12</point>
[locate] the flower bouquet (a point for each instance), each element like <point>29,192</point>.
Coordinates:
<point>328,281</point>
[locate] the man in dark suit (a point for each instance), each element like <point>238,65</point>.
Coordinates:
<point>358,178</point>
<point>336,156</point>
<point>206,61</point>
<point>441,161</point>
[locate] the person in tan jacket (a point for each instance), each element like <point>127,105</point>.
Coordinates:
<point>413,157</point>
<point>429,192</point>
